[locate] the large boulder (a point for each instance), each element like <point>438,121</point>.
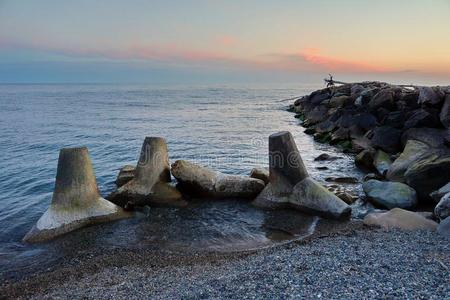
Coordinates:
<point>316,115</point>
<point>340,101</point>
<point>442,210</point>
<point>76,202</point>
<point>390,194</point>
<point>126,173</point>
<point>433,137</point>
<point>200,181</point>
<point>387,139</point>
<point>422,118</point>
<point>319,96</point>
<point>444,116</point>
<point>395,119</point>
<point>290,185</point>
<point>428,175</point>
<point>365,158</point>
<point>413,152</point>
<point>401,219</point>
<point>151,183</point>
<point>382,162</point>
<point>365,121</point>
<point>384,99</point>
<point>430,95</point>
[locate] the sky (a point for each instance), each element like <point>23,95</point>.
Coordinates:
<point>219,41</point>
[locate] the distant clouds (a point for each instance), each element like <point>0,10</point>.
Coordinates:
<point>309,59</point>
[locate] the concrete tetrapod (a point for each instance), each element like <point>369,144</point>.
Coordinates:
<point>76,201</point>
<point>290,185</point>
<point>151,183</point>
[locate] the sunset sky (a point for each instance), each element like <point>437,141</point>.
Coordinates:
<point>224,41</point>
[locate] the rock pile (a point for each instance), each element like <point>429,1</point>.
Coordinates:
<point>401,134</point>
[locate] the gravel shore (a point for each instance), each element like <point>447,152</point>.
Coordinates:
<point>339,261</point>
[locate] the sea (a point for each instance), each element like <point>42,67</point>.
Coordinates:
<point>223,127</point>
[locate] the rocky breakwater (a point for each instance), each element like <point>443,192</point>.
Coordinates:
<point>399,133</point>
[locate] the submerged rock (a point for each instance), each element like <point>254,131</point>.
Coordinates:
<point>126,173</point>
<point>203,182</point>
<point>349,180</point>
<point>325,156</point>
<point>260,173</point>
<point>442,210</point>
<point>151,183</point>
<point>76,202</point>
<point>390,194</point>
<point>291,186</point>
<point>399,218</point>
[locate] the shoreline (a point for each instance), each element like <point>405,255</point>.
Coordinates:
<point>336,252</point>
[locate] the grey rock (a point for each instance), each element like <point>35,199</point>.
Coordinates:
<point>390,194</point>
<point>429,95</point>
<point>433,137</point>
<point>204,182</point>
<point>382,162</point>
<point>319,96</point>
<point>325,126</point>
<point>428,175</point>
<point>413,152</point>
<point>444,228</point>
<point>384,98</point>
<point>444,116</point>
<point>370,176</point>
<point>364,159</point>
<point>421,118</point>
<point>437,195</point>
<point>387,139</point>
<point>442,210</point>
<point>340,101</point>
<point>401,219</point>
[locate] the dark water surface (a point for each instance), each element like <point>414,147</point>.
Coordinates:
<point>223,127</point>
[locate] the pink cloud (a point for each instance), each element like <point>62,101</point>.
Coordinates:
<point>226,41</point>
<point>307,60</point>
<point>314,56</point>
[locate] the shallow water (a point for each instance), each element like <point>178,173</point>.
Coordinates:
<point>225,128</point>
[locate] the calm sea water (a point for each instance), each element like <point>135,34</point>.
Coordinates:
<point>225,128</point>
